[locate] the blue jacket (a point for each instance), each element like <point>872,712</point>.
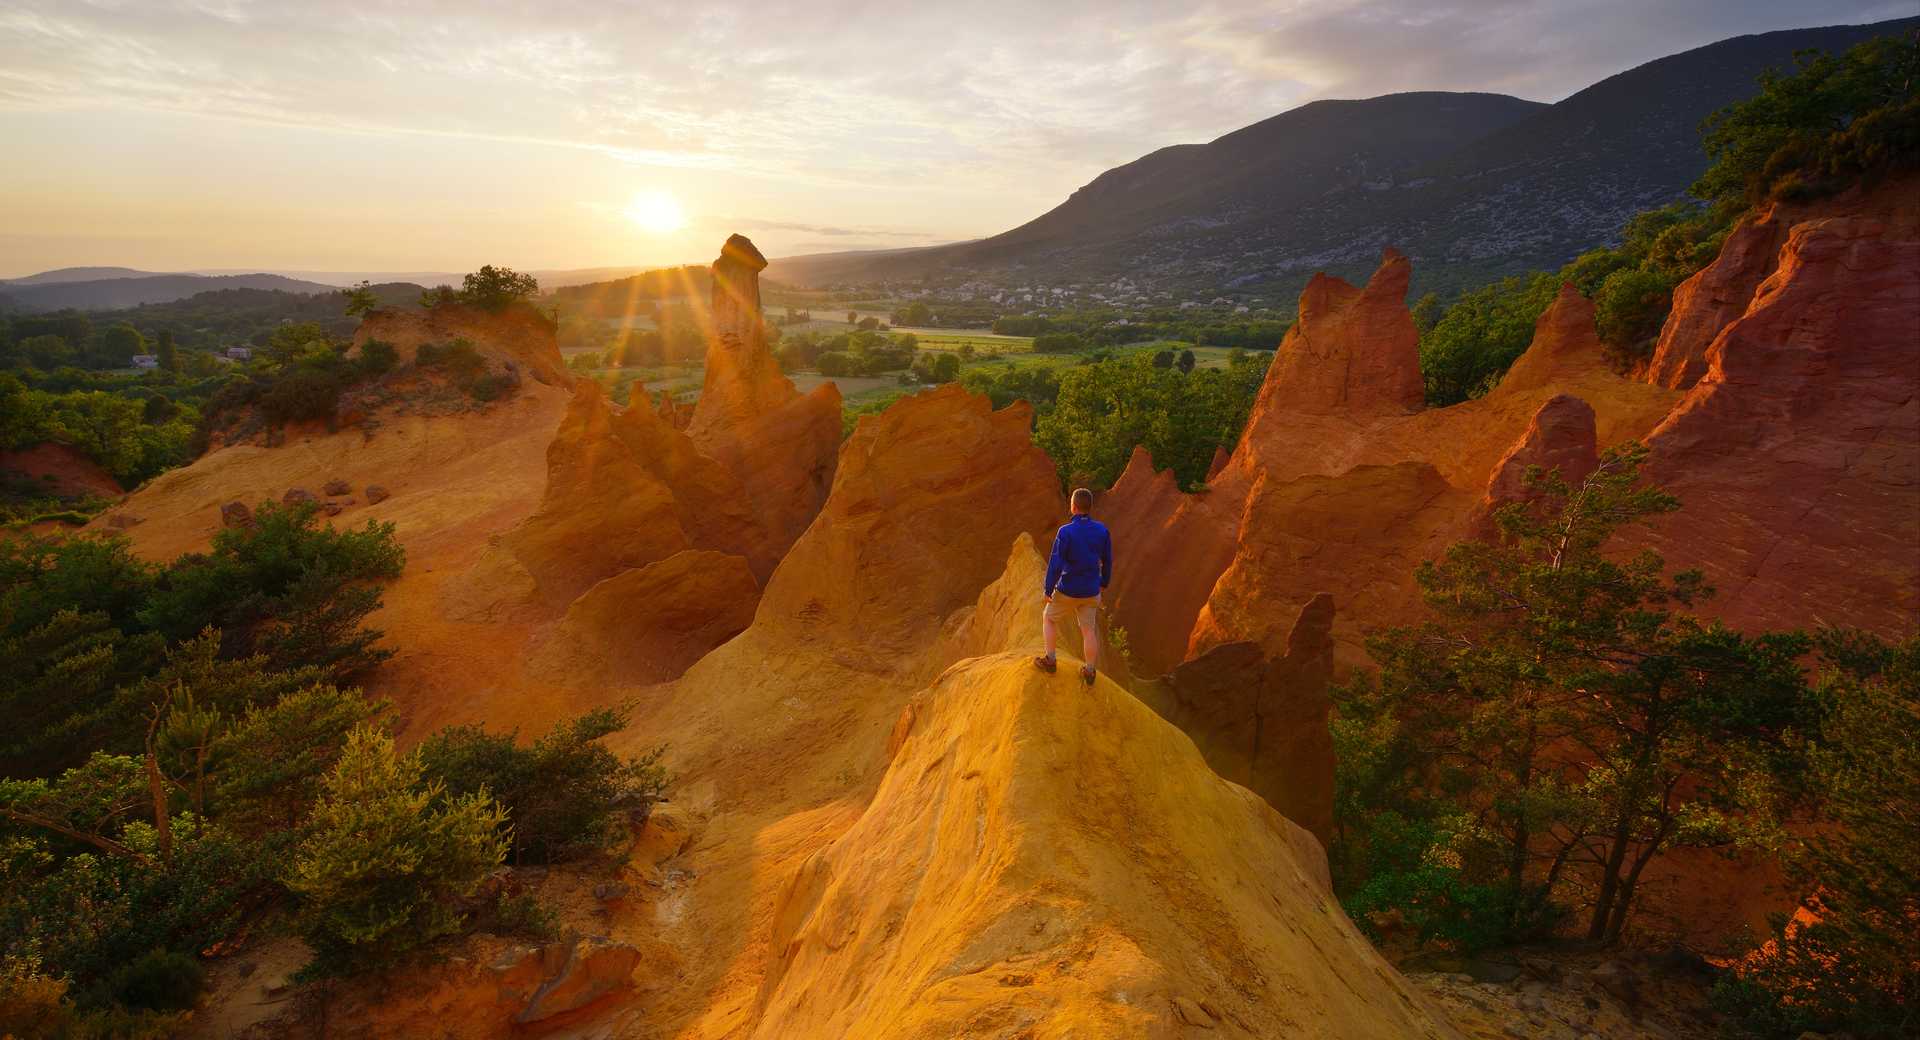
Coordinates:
<point>1082,561</point>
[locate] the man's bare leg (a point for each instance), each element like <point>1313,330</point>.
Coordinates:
<point>1052,636</point>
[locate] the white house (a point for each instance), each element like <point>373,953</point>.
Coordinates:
<point>146,361</point>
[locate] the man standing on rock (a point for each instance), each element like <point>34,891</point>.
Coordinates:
<point>1080,567</point>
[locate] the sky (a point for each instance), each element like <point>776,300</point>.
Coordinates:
<point>437,136</point>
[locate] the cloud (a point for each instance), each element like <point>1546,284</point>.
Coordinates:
<point>1017,103</point>
<point>793,88</point>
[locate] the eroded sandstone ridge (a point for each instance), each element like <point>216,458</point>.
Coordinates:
<point>1795,452</point>
<point>519,336</point>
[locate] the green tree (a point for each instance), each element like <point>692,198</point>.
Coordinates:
<point>1848,966</point>
<point>360,299</point>
<point>169,354</point>
<point>388,858</point>
<point>1475,341</point>
<point>913,314</point>
<point>563,793</point>
<point>47,352</point>
<point>1826,124</point>
<point>117,346</point>
<point>1541,643</point>
<point>1185,362</point>
<point>495,288</point>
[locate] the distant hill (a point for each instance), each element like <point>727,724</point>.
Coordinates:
<point>340,279</point>
<point>1471,186</point>
<point>634,294</point>
<point>116,293</point>
<point>78,274</point>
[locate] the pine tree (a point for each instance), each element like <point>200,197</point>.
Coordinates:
<point>382,869</point>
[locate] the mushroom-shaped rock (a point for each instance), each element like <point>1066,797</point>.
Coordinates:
<point>778,443</point>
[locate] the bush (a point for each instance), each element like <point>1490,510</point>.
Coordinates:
<point>301,395</point>
<point>1629,310</point>
<point>458,359</point>
<point>377,357</point>
<point>158,980</point>
<point>492,387</point>
<point>1850,967</point>
<point>1060,343</point>
<point>561,794</point>
<point>494,288</point>
<point>388,859</point>
<point>1830,123</point>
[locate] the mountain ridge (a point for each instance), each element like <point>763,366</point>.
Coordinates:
<point>1527,193</point>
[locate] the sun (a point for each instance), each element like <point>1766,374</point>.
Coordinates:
<point>656,211</point>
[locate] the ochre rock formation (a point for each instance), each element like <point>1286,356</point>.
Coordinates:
<point>518,334</point>
<point>1262,722</point>
<point>779,444</point>
<point>1044,861</point>
<point>1560,437</point>
<point>926,497</point>
<point>1351,350</point>
<point>1340,487</point>
<point>1796,458</point>
<point>1714,296</point>
<point>606,508</point>
<point>1007,617</point>
<point>1163,567</point>
<point>651,623</point>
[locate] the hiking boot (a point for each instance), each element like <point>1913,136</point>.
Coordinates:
<point>1086,674</point>
<point>1044,663</point>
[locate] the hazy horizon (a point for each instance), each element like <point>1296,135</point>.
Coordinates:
<point>237,135</point>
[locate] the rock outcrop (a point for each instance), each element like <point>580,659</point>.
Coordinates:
<point>1039,860</point>
<point>1262,722</point>
<point>926,498</point>
<point>651,623</point>
<point>1796,457</point>
<point>1351,350</point>
<point>1560,437</point>
<point>518,337</point>
<point>1713,297</point>
<point>779,444</point>
<point>1338,484</point>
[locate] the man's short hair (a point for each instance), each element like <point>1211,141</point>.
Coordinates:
<point>1082,500</point>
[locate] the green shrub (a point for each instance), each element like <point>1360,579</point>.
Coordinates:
<point>458,359</point>
<point>1060,343</point>
<point>377,357</point>
<point>158,980</point>
<point>1831,122</point>
<point>388,859</point>
<point>1851,969</point>
<point>492,387</point>
<point>301,395</point>
<point>1628,311</point>
<point>562,794</point>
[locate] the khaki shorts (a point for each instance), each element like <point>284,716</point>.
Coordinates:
<point>1085,611</point>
